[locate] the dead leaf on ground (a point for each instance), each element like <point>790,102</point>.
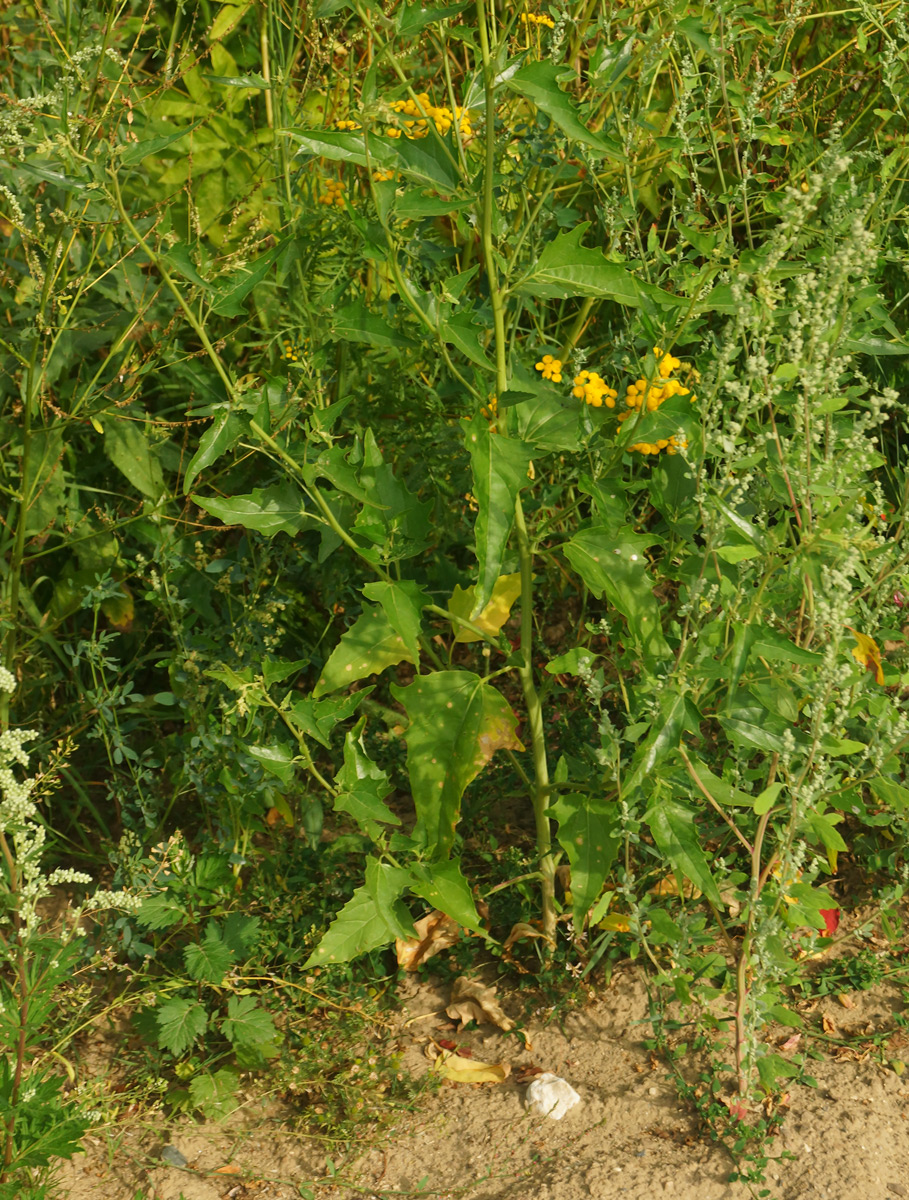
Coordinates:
<point>458,1069</point>
<point>435,933</point>
<point>474,1001</point>
<point>791,1042</point>
<point>828,1025</point>
<point>846,1000</point>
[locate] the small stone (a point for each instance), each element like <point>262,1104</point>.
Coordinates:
<point>897,1189</point>
<point>172,1156</point>
<point>550,1096</point>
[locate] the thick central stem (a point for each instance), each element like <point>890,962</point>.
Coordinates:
<point>497,296</point>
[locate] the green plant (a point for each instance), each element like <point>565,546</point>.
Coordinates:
<point>36,958</point>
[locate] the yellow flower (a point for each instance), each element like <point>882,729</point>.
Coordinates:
<point>550,367</point>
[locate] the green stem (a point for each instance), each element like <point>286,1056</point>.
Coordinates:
<point>192,319</point>
<point>533,707</point>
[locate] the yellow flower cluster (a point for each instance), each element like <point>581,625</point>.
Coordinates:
<point>530,19</point>
<point>642,395</point>
<point>292,352</point>
<point>551,368</point>
<point>592,388</point>
<point>490,410</point>
<point>383,176</point>
<point>671,445</point>
<point>418,113</point>
<point>333,194</point>
<point>346,125</point>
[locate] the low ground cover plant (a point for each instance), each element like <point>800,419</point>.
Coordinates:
<point>410,414</point>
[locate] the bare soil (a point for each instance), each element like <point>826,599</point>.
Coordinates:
<point>630,1136</point>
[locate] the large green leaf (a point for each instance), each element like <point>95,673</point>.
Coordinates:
<point>539,82</point>
<point>357,928</point>
<point>218,438</point>
<point>385,883</point>
<point>444,887</point>
<point>356,323</point>
<point>587,834</point>
<point>675,833</point>
<point>368,647</point>
<point>499,466</point>
<point>548,423</point>
<point>402,603</point>
<point>414,17</point>
<point>276,509</point>
<point>663,737</point>
<point>363,787</point>
<point>457,722</point>
<point>180,1022</point>
<point>425,161</point>
<point>317,718</point>
<point>566,269</point>
<point>461,331</point>
<point>394,519</point>
<point>615,565</point>
<point>126,445</point>
<point>208,961</point>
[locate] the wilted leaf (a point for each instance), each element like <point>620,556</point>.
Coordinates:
<point>467,1070</point>
<point>494,615</point>
<point>435,932</point>
<point>867,652</point>
<point>519,932</point>
<point>474,1001</point>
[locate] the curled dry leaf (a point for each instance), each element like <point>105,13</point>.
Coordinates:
<point>474,1001</point>
<point>435,933</point>
<point>519,931</point>
<point>846,1000</point>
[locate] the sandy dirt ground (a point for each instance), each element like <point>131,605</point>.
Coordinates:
<point>630,1137</point>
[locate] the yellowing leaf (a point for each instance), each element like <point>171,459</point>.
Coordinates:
<point>494,615</point>
<point>615,922</point>
<point>467,1070</point>
<point>867,653</point>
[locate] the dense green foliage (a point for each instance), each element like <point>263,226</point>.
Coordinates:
<point>441,446</point>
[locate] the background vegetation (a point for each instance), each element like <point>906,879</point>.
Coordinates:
<point>465,441</point>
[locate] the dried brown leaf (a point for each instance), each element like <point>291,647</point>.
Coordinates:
<point>435,932</point>
<point>474,1001</point>
<point>519,931</point>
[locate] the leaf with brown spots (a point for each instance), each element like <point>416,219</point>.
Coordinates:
<point>457,722</point>
<point>370,645</point>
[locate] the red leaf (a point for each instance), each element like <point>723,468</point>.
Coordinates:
<point>831,920</point>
